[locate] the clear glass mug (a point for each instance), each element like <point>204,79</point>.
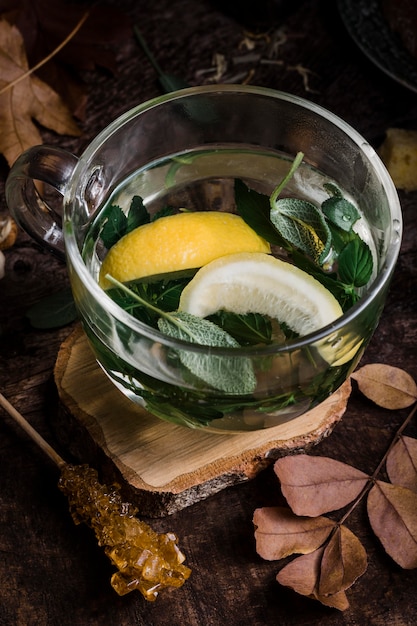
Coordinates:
<point>187,147</point>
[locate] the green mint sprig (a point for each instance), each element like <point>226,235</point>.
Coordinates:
<point>164,293</point>
<point>303,225</point>
<point>117,223</point>
<point>230,374</point>
<point>315,237</point>
<point>248,329</point>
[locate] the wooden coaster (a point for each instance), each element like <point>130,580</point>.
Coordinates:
<point>162,467</point>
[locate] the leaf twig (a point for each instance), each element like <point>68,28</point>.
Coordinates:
<point>372,478</point>
<point>314,485</point>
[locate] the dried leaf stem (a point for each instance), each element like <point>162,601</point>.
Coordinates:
<point>372,478</point>
<point>33,434</point>
<point>49,56</point>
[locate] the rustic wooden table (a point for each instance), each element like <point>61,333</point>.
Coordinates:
<point>52,572</point>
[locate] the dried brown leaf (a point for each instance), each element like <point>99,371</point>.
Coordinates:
<point>402,463</point>
<point>389,387</point>
<point>336,601</point>
<point>27,100</point>
<point>344,560</point>
<point>315,485</point>
<point>45,24</point>
<point>279,533</point>
<point>392,512</point>
<point>302,575</point>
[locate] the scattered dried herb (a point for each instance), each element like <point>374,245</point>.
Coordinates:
<point>332,557</point>
<point>255,51</point>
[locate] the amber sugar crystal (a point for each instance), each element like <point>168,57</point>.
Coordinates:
<point>146,561</point>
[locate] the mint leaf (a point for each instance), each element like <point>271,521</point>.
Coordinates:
<point>249,329</point>
<point>231,374</point>
<point>137,215</point>
<point>303,225</point>
<point>118,224</point>
<point>255,209</point>
<point>355,263</point>
<point>164,212</point>
<point>333,190</point>
<point>340,238</point>
<point>163,294</point>
<point>114,227</point>
<point>311,235</point>
<point>340,212</point>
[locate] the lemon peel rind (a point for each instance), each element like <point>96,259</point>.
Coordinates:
<point>259,283</point>
<point>179,242</point>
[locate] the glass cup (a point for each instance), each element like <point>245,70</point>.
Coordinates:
<point>185,149</point>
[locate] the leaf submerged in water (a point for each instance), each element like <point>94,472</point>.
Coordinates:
<point>303,225</point>
<point>118,224</point>
<point>226,373</point>
<point>231,374</point>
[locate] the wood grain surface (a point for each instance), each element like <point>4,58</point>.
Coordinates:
<point>161,466</point>
<point>51,571</point>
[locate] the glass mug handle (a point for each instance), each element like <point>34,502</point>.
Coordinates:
<point>46,164</point>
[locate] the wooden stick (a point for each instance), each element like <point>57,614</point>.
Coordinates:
<point>33,434</point>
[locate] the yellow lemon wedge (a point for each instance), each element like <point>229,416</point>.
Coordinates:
<point>259,283</point>
<point>178,242</point>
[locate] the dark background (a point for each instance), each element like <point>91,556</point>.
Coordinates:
<point>52,572</point>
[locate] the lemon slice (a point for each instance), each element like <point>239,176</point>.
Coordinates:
<point>259,283</point>
<point>178,242</point>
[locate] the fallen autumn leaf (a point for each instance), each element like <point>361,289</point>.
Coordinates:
<point>311,486</point>
<point>45,24</point>
<point>302,575</point>
<point>23,100</point>
<point>344,561</point>
<point>392,512</point>
<point>279,533</point>
<point>389,387</point>
<point>402,463</point>
<point>315,485</point>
